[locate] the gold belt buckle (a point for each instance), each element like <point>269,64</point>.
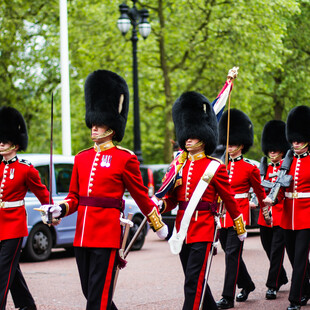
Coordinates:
<point>295,195</point>
<point>2,204</point>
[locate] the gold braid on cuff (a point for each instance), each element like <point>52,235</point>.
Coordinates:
<point>239,225</point>
<point>155,220</point>
<point>64,205</point>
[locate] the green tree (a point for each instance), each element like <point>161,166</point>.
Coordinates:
<point>192,46</point>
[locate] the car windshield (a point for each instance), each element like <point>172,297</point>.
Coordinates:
<point>62,176</point>
<point>44,175</point>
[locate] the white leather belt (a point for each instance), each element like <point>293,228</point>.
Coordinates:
<point>297,195</point>
<point>11,204</point>
<point>243,195</point>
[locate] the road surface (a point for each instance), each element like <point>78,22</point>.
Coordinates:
<point>152,280</point>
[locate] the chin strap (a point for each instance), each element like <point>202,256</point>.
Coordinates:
<point>235,150</point>
<point>276,157</point>
<point>105,134</point>
<point>195,146</point>
<point>301,147</point>
<point>12,147</point>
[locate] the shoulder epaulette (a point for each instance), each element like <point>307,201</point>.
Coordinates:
<point>123,149</point>
<point>248,161</point>
<point>214,158</point>
<point>84,150</point>
<point>25,162</point>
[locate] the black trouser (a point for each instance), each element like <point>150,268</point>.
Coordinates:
<point>273,242</point>
<point>235,269</point>
<point>297,246</point>
<point>97,267</point>
<point>194,257</point>
<point>11,277</point>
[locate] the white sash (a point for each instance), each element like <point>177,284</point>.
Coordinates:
<point>177,238</point>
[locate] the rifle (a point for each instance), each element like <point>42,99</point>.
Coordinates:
<point>263,167</point>
<point>283,180</point>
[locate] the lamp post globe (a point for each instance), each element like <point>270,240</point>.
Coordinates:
<point>123,23</point>
<point>136,18</point>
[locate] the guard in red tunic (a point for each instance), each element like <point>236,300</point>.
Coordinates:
<point>242,176</point>
<point>296,208</point>
<point>197,132</point>
<point>99,178</point>
<point>16,178</point>
<point>274,146</point>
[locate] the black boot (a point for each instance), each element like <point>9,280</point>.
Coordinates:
<point>33,307</point>
<point>243,295</point>
<point>271,293</point>
<point>293,306</point>
<point>225,303</point>
<point>304,300</point>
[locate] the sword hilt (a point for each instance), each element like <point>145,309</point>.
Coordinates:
<point>49,216</point>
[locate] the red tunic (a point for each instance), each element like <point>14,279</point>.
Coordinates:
<point>296,211</point>
<point>104,174</point>
<point>278,208</point>
<point>242,176</point>
<point>16,177</point>
<point>201,227</point>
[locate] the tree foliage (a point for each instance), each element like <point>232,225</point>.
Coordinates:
<point>192,46</point>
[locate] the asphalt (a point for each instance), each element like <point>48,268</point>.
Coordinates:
<point>152,280</point>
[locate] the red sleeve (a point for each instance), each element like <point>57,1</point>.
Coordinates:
<point>35,185</point>
<point>133,181</point>
<point>73,197</point>
<point>255,182</point>
<point>224,190</point>
<point>170,201</point>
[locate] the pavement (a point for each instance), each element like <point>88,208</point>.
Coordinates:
<point>152,280</point>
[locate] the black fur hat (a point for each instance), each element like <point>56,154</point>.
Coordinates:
<point>107,101</point>
<point>298,124</point>
<point>274,138</point>
<point>240,129</point>
<point>13,127</point>
<point>193,117</point>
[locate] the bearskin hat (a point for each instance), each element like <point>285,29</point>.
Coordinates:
<point>298,124</point>
<point>13,127</point>
<point>274,138</point>
<point>193,117</point>
<point>240,131</point>
<point>107,101</point>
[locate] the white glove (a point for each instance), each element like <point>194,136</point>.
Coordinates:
<point>125,222</point>
<point>218,222</point>
<point>158,202</point>
<point>267,201</point>
<point>55,210</point>
<point>163,232</point>
<point>252,205</point>
<point>242,236</point>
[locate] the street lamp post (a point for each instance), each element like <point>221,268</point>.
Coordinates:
<point>136,18</point>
